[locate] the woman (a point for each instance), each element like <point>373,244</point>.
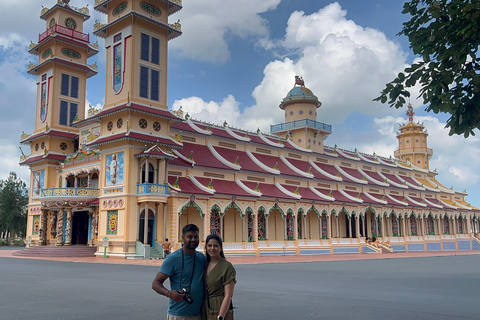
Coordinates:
<point>219,281</point>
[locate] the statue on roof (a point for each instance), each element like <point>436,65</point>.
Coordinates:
<point>410,112</point>
<point>299,81</point>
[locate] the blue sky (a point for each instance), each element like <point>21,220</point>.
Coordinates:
<point>236,60</point>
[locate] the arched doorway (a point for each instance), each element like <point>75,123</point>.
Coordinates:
<point>141,227</point>
<point>80,227</point>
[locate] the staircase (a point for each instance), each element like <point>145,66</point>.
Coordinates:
<point>60,251</point>
<point>155,254</point>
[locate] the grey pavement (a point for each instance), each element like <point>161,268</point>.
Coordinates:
<point>444,287</point>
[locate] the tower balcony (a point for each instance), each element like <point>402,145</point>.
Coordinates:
<point>80,194</point>
<point>64,31</point>
<point>300,124</point>
<point>414,150</point>
<point>152,189</point>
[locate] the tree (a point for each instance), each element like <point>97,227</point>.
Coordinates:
<point>13,205</point>
<point>446,35</point>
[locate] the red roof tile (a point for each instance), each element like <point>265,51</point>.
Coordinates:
<point>52,133</point>
<point>244,160</point>
<point>305,166</point>
<point>51,157</point>
<point>268,190</point>
<point>186,185</point>
<point>270,162</point>
<point>135,136</point>
<point>202,156</point>
<point>225,187</point>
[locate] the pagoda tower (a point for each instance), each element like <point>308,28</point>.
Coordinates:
<point>301,125</point>
<point>61,75</point>
<point>412,143</point>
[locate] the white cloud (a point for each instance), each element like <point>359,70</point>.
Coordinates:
<point>208,24</point>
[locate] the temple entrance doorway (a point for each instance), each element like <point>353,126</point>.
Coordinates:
<point>141,227</point>
<point>80,227</point>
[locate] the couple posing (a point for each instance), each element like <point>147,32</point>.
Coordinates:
<point>201,286</point>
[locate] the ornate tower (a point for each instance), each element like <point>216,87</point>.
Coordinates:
<point>300,106</point>
<point>136,40</point>
<point>61,72</point>
<point>412,142</point>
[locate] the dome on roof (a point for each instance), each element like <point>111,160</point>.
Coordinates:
<point>300,94</point>
<point>300,91</point>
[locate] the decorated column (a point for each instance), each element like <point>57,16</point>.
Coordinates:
<point>60,228</point>
<point>68,229</point>
<point>42,238</point>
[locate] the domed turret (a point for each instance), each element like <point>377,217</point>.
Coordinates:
<point>300,106</point>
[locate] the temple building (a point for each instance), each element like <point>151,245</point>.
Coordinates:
<point>135,172</point>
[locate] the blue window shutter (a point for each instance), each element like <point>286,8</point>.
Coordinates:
<point>74,88</point>
<point>63,113</point>
<point>145,47</point>
<point>73,112</point>
<point>144,82</point>
<point>155,51</point>
<point>65,84</point>
<point>154,88</point>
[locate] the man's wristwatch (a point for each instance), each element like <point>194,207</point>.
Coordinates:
<point>220,318</point>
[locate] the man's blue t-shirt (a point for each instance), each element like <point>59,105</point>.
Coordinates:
<point>172,266</point>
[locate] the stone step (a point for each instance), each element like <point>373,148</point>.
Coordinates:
<point>60,251</point>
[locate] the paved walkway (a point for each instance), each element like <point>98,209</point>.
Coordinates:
<point>6,253</point>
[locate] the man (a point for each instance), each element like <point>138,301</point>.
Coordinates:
<point>184,267</point>
<point>166,247</point>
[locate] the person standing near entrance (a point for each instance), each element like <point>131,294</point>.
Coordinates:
<point>184,268</point>
<point>166,247</point>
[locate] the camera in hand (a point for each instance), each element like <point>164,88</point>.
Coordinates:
<point>187,297</point>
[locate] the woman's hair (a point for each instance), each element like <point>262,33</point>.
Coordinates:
<point>220,242</point>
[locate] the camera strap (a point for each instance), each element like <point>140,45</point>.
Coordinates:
<point>193,270</point>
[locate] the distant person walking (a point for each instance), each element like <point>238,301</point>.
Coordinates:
<point>184,268</point>
<point>166,247</point>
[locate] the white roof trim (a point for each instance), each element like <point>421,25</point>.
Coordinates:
<point>181,156</point>
<point>447,205</point>
<point>424,186</point>
<point>393,183</point>
<point>323,171</point>
<point>247,189</point>
<point>415,202</point>
<point>291,166</point>
<point>261,164</point>
<point>350,197</point>
<point>199,185</point>
<point>397,201</point>
<point>288,193</point>
<point>349,176</point>
<point>408,183</point>
<point>173,188</point>
<point>298,147</point>
<point>375,199</point>
<point>366,159</point>
<point>198,129</point>
<point>321,195</point>
<point>380,183</point>
<point>269,142</point>
<point>440,187</point>
<point>222,159</point>
<point>346,155</point>
<point>236,136</point>
<point>386,163</point>
<point>432,204</point>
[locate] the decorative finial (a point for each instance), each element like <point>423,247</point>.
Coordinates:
<point>410,112</point>
<point>258,130</point>
<point>225,123</point>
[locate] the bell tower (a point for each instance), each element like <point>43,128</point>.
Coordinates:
<point>412,143</point>
<point>136,41</point>
<point>61,75</point>
<point>301,125</point>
